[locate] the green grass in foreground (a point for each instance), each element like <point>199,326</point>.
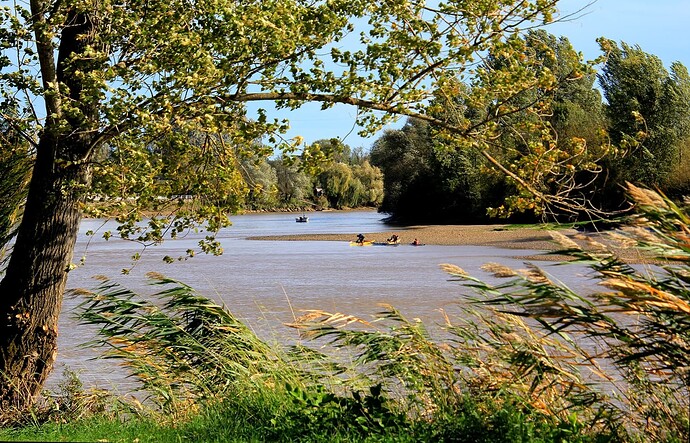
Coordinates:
<point>284,420</point>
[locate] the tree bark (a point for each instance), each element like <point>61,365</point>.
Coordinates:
<point>31,292</point>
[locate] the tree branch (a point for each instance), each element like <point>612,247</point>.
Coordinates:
<point>46,58</point>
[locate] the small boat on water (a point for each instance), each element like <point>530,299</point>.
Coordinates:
<point>302,219</point>
<point>393,240</point>
<point>387,243</point>
<point>364,243</point>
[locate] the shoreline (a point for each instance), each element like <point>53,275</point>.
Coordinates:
<point>498,236</point>
<point>445,235</point>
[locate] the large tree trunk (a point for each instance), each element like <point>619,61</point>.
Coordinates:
<point>31,292</point>
<point>32,289</point>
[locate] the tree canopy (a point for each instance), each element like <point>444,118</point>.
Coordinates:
<point>550,147</point>
<point>647,107</point>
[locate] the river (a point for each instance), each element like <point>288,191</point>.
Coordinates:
<point>265,282</point>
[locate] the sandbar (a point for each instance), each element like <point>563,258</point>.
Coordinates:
<point>498,236</point>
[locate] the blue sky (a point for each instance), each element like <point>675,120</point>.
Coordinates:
<point>661,28</point>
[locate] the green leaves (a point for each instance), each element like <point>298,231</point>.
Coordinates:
<point>646,106</point>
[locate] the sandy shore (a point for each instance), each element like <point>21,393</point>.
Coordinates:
<point>452,235</point>
<point>499,236</point>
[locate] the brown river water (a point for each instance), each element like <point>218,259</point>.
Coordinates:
<point>265,283</point>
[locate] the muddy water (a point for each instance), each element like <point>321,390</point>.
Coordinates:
<point>265,283</point>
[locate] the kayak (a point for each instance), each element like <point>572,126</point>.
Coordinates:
<point>387,243</point>
<point>364,243</point>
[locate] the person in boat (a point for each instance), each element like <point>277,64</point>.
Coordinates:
<point>360,238</point>
<point>415,242</point>
<point>393,239</point>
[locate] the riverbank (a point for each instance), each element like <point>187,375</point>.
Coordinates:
<point>498,236</point>
<point>448,235</point>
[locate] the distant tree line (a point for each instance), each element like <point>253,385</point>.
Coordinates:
<point>636,132</point>
<point>345,179</point>
<point>248,179</point>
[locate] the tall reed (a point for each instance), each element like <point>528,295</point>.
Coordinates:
<point>634,334</point>
<point>181,346</point>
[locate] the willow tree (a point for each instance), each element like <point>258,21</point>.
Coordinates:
<point>109,91</point>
